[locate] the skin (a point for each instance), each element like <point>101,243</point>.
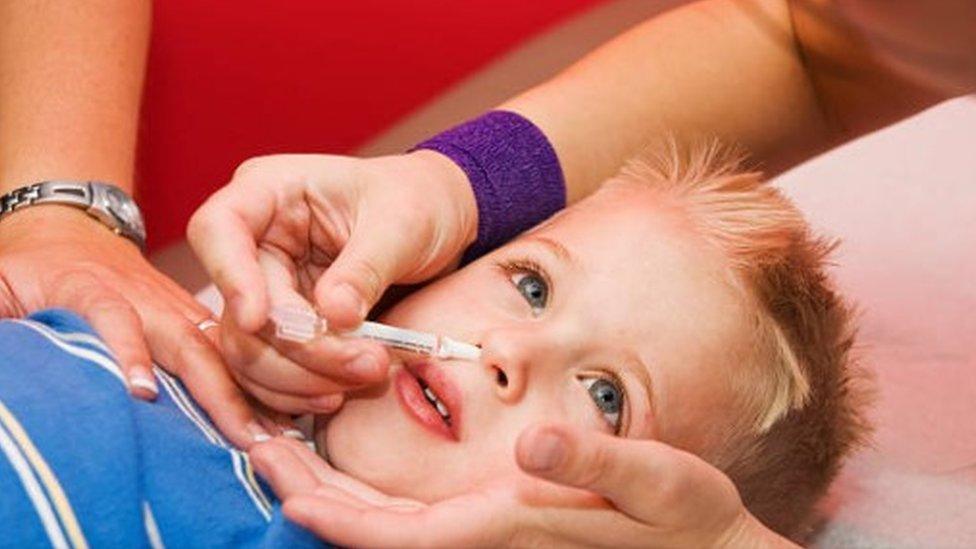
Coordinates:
<point>785,79</point>
<point>668,319</point>
<point>669,327</point>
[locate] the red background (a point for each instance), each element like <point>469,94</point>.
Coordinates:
<point>231,80</point>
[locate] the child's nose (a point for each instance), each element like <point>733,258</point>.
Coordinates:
<point>507,355</point>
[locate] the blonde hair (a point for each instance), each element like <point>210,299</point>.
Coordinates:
<point>802,399</point>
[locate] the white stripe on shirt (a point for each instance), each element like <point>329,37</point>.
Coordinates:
<point>152,529</point>
<point>241,465</point>
<point>80,352</point>
<point>33,488</point>
<point>188,409</point>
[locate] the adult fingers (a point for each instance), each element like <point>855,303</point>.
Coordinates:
<point>648,480</point>
<point>116,321</point>
<point>185,351</point>
<point>345,483</point>
<point>290,404</point>
<point>223,234</point>
<point>319,367</point>
<point>346,362</point>
<point>185,305</point>
<point>286,472</point>
<point>355,362</point>
<point>473,520</point>
<point>372,259</point>
<point>292,469</point>
<point>276,422</point>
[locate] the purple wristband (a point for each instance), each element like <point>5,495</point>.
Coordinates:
<point>513,171</point>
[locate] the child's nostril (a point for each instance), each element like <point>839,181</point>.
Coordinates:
<point>501,378</point>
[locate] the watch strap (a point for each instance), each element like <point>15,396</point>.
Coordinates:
<point>88,196</point>
<point>60,192</point>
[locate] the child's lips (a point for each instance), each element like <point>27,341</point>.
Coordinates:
<point>411,396</point>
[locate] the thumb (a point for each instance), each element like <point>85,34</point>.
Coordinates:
<point>646,479</point>
<point>366,266</point>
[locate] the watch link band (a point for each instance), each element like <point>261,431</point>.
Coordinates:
<point>105,202</point>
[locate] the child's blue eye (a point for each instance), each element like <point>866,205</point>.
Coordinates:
<point>608,397</point>
<point>533,288</point>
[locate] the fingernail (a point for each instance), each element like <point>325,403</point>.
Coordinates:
<point>326,404</point>
<point>348,294</point>
<point>363,366</point>
<point>293,433</point>
<point>143,381</point>
<point>258,433</point>
<point>548,451</point>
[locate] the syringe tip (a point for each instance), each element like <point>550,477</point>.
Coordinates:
<point>453,349</point>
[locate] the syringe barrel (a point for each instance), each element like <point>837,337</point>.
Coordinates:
<point>398,338</point>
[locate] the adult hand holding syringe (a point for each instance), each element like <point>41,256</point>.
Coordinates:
<point>299,375</point>
<point>348,229</point>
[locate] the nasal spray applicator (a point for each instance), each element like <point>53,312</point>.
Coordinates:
<point>301,324</point>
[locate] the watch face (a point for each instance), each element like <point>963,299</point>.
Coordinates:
<point>125,209</point>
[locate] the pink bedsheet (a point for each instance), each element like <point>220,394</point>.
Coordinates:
<point>904,203</point>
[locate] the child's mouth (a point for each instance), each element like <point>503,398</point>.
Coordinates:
<point>430,398</point>
<point>438,405</point>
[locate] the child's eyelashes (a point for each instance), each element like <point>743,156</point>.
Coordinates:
<point>530,281</point>
<point>609,396</point>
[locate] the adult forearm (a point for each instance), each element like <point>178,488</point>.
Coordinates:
<point>71,77</point>
<point>724,68</point>
<point>732,69</point>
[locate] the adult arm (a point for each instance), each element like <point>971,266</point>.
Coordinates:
<point>71,78</point>
<point>784,79</point>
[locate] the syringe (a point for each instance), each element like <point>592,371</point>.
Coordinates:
<point>301,324</point>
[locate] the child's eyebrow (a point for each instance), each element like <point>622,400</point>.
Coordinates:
<point>555,247</point>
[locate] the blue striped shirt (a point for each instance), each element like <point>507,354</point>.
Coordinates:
<point>83,464</point>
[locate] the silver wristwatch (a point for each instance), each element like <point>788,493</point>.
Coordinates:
<point>103,201</point>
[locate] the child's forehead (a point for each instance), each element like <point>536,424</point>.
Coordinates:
<point>638,258</point>
<point>622,215</point>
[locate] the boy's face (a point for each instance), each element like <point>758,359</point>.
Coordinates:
<point>612,316</point>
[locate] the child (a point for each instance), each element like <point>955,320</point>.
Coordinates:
<point>683,302</point>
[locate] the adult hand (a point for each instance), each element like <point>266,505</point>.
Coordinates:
<point>586,489</point>
<point>295,469</point>
<point>334,232</point>
<point>57,256</point>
